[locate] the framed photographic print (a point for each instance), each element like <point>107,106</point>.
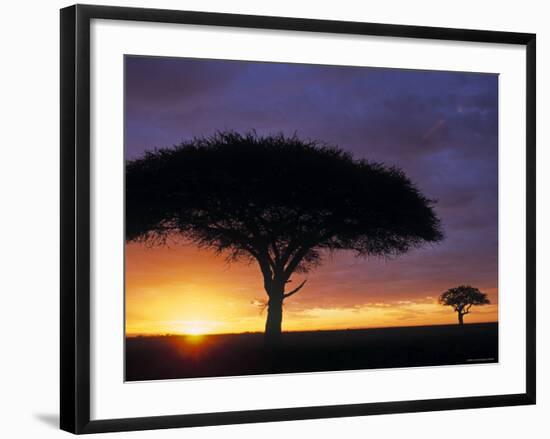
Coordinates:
<point>269,218</point>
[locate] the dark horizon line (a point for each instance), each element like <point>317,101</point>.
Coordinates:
<point>174,334</point>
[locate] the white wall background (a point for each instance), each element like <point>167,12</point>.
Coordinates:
<point>29,201</point>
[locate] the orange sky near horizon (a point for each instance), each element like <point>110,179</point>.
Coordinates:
<point>182,290</point>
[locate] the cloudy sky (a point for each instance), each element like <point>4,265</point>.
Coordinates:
<point>441,128</point>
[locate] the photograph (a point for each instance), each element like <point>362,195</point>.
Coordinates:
<point>302,218</point>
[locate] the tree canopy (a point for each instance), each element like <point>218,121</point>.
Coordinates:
<point>276,198</point>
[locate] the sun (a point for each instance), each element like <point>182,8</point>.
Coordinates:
<point>194,330</point>
<point>196,327</point>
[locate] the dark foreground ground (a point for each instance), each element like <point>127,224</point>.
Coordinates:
<point>166,357</point>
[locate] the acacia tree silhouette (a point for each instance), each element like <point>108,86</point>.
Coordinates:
<point>279,201</point>
<point>462,298</point>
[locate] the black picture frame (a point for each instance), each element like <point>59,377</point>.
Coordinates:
<point>75,217</point>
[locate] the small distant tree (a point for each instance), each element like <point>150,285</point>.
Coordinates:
<point>462,298</point>
<point>279,201</point>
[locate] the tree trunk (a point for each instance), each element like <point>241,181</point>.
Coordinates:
<point>274,319</point>
<point>460,319</point>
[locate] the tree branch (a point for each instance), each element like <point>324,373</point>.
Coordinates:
<point>287,253</point>
<point>295,261</point>
<point>295,290</point>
